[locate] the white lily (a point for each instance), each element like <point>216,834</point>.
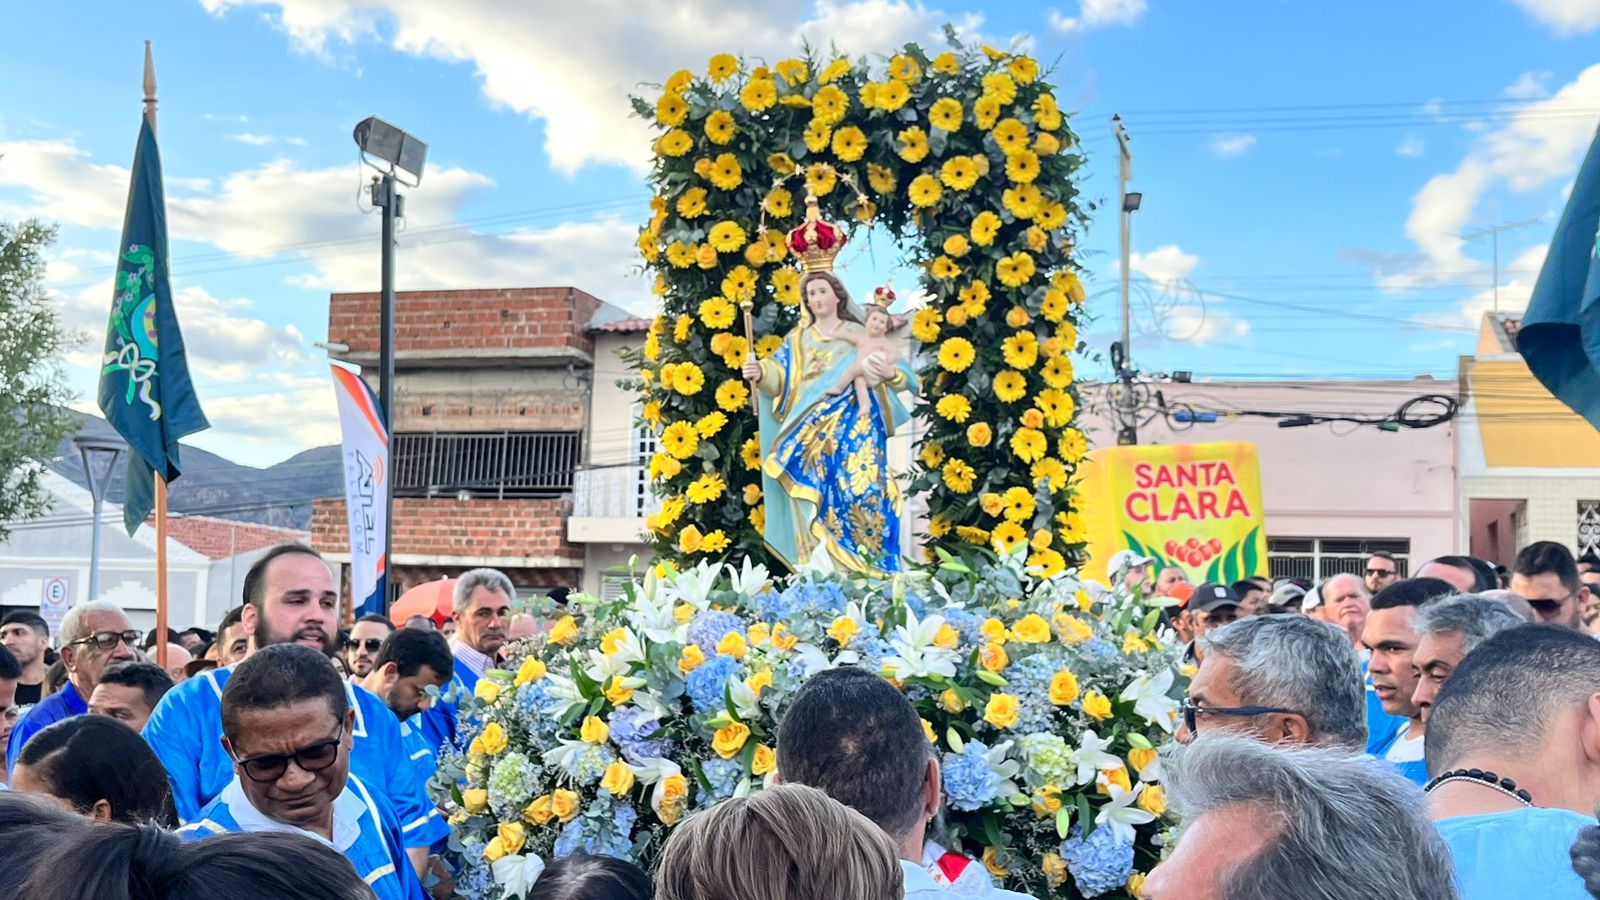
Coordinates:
<point>915,653</point>
<point>1120,815</point>
<point>516,874</point>
<point>745,701</point>
<point>1149,694</point>
<point>1006,769</point>
<point>694,585</point>
<point>652,617</point>
<point>563,688</point>
<point>749,579</point>
<point>1092,757</point>
<point>651,704</point>
<point>811,658</point>
<point>565,756</point>
<point>819,563</point>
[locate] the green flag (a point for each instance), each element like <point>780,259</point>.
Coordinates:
<point>145,391</point>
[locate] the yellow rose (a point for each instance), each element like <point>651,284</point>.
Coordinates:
<point>494,850</point>
<point>1063,688</point>
<point>564,804</point>
<point>1096,705</point>
<point>946,638</point>
<point>1033,629</point>
<point>1002,710</point>
<point>991,861</point>
<point>1047,801</point>
<point>993,658</point>
<point>1117,776</point>
<point>759,681</point>
<point>618,778</point>
<point>683,613</point>
<point>765,760</point>
<point>1055,869</point>
<point>512,836</point>
<point>1153,800</point>
<point>979,434</point>
<point>1072,630</point>
<point>488,690</point>
<point>759,632</point>
<point>1136,885</point>
<point>733,644</point>
<point>674,794</point>
<point>782,639</point>
<point>729,740</point>
<point>494,738</point>
<point>538,812</point>
<point>951,701</point>
<point>1140,758</point>
<point>617,693</point>
<point>564,632</point>
<point>843,629</point>
<point>594,730</point>
<point>530,670</point>
<point>1132,643</point>
<point>475,801</point>
<point>994,630</point>
<point>691,659</point>
<point>1188,670</point>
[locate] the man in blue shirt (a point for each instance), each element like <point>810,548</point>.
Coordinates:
<point>289,598</point>
<point>406,664</point>
<point>93,635</point>
<point>483,601</point>
<point>1391,633</point>
<point>1511,750</point>
<point>288,729</point>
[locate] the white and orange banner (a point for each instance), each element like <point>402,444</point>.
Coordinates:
<point>366,466</point>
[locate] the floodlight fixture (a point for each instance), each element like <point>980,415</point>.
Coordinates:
<point>394,148</point>
<point>1131,201</point>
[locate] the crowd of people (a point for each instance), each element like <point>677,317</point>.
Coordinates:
<point>1375,734</point>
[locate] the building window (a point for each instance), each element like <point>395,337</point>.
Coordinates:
<point>1317,558</point>
<point>645,444</point>
<point>1588,527</point>
<point>514,464</point>
<point>614,587</point>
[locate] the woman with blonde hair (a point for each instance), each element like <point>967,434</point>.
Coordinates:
<point>789,842</point>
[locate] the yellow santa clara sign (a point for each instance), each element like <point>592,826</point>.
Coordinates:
<point>1196,506</point>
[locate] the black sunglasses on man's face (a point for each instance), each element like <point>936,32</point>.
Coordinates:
<point>270,767</point>
<point>372,644</point>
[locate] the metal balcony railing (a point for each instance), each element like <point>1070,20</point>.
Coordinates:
<point>499,464</point>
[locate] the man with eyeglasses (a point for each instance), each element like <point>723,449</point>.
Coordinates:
<point>290,598</point>
<point>93,635</point>
<point>1546,576</point>
<point>1382,571</point>
<point>483,604</point>
<point>288,729</point>
<point>1279,679</point>
<point>361,648</point>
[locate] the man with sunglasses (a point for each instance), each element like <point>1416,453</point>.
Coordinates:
<point>1381,572</point>
<point>361,648</point>
<point>1546,576</point>
<point>288,728</point>
<point>93,635</point>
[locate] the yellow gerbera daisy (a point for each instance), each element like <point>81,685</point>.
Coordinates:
<point>1011,135</point>
<point>958,476</point>
<point>688,379</point>
<point>722,66</point>
<point>1050,471</point>
<point>1024,201</point>
<point>1007,536</point>
<point>739,284</point>
<point>1057,372</point>
<point>680,439</point>
<point>905,69</point>
<point>750,453</point>
<point>706,488</point>
<point>849,143</point>
<point>835,71</point>
<point>709,424</point>
<point>925,191</point>
<point>817,135</point>
<point>719,127</point>
<point>959,173</point>
<point>786,286</point>
<point>972,535</point>
<point>830,104</point>
<point>1015,270</point>
<point>1017,504</point>
<point>671,109</point>
<point>946,63</point>
<point>945,114</point>
<point>985,226</point>
<point>726,237</point>
<point>793,71</point>
<point>821,179</point>
<point>1021,350</point>
<point>913,144</point>
<point>956,354</point>
<point>674,143</point>
<point>1000,86</point>
<point>1073,447</point>
<point>932,455</point>
<point>986,111</point>
<point>893,95</point>
<point>1057,407</point>
<point>925,324</point>
<point>1023,166</point>
<point>726,172</point>
<point>759,94</point>
<point>778,202</point>
<point>1023,68</point>
<point>716,312</point>
<point>692,203</point>
<point>1051,216</point>
<point>1010,386</point>
<point>731,395</point>
<point>944,268</point>
<point>1046,563</point>
<point>954,407</point>
<point>1029,444</point>
<point>1053,307</point>
<point>880,178</point>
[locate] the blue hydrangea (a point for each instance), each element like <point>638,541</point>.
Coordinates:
<point>711,626</point>
<point>1028,679</point>
<point>801,600</point>
<point>772,606</point>
<point>592,764</point>
<point>476,881</point>
<point>706,683</point>
<point>917,603</point>
<point>1099,864</point>
<point>605,828</point>
<point>873,650</point>
<point>723,776</point>
<point>968,625</point>
<point>1098,648</point>
<point>511,784</point>
<point>969,783</point>
<point>634,731</point>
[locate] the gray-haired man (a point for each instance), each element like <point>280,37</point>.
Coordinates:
<point>1264,822</point>
<point>93,635</point>
<point>483,601</point>
<point>1280,679</point>
<point>1446,632</point>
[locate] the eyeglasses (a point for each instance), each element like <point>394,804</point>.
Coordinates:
<point>1550,606</point>
<point>1192,712</point>
<point>372,644</point>
<point>108,640</point>
<point>271,766</point>
<point>1381,573</point>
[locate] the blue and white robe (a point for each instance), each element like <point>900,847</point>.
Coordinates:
<point>364,830</point>
<point>185,730</point>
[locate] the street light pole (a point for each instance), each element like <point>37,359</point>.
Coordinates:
<point>1122,353</point>
<point>90,448</point>
<point>392,205</point>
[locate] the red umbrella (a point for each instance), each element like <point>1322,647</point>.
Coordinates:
<point>434,599</point>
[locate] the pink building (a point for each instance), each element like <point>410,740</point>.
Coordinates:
<point>1333,492</point>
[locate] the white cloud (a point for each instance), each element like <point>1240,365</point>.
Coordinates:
<point>1098,14</point>
<point>1201,323</point>
<point>574,65</point>
<point>296,141</point>
<point>1516,285</point>
<point>1166,265</point>
<point>1537,148</point>
<point>1530,85</point>
<point>254,140</point>
<point>216,117</point>
<point>1565,17</point>
<point>1227,146</point>
<point>1411,146</point>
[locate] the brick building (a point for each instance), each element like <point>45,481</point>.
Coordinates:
<point>495,416</point>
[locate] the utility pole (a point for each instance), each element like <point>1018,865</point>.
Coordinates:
<point>1122,354</point>
<point>1493,232</point>
<point>392,205</point>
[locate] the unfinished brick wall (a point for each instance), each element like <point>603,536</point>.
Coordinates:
<point>445,526</point>
<point>549,318</point>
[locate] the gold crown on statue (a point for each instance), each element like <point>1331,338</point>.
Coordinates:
<point>816,243</point>
<point>883,296</point>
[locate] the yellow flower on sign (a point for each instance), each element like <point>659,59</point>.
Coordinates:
<point>538,812</point>
<point>1063,688</point>
<point>958,476</point>
<point>733,644</point>
<point>925,191</point>
<point>531,670</point>
<point>764,760</point>
<point>954,407</point>
<point>729,740</point>
<point>956,355</point>
<point>1096,705</point>
<point>843,629</point>
<point>488,690</point>
<point>594,730</point>
<point>1002,710</point>
<point>985,226</point>
<point>913,144</point>
<point>618,780</point>
<point>1032,629</point>
<point>564,804</point>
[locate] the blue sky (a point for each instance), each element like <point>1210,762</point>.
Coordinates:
<point>1307,168</point>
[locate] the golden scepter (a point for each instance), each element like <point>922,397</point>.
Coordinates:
<point>748,305</point>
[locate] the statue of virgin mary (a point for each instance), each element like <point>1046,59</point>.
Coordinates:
<point>824,463</point>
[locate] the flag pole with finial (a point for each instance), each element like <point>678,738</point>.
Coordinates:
<point>161,481</point>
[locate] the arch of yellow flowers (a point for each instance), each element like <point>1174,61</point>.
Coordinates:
<point>967,159</point>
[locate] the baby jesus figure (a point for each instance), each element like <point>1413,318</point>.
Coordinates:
<point>868,345</point>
